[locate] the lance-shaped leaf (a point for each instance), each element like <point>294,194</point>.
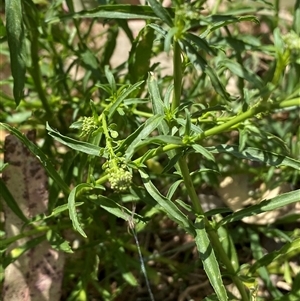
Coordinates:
<point>72,206</point>
<point>125,93</point>
<point>255,154</point>
<point>199,62</point>
<point>77,145</point>
<point>243,72</point>
<point>208,258</point>
<point>290,249</point>
<point>16,43</point>
<point>264,206</point>
<point>110,12</point>
<point>161,12</point>
<point>166,204</point>
<point>150,125</point>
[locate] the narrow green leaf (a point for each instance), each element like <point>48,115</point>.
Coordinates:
<point>11,203</point>
<point>2,31</point>
<point>3,167</point>
<point>146,156</point>
<point>122,97</point>
<point>201,110</point>
<point>199,62</point>
<point>208,258</point>
<point>56,211</point>
<point>40,155</point>
<point>140,54</point>
<point>158,106</point>
<point>161,12</point>
<point>279,44</point>
<point>173,188</point>
<point>110,45</point>
<point>110,79</point>
<point>160,140</point>
<point>114,208</point>
<point>258,252</point>
<point>290,296</point>
<point>203,151</point>
<point>77,145</point>
<point>169,39</point>
<point>266,205</point>
<point>182,204</point>
<point>243,137</point>
<point>123,24</point>
<point>58,242</point>
<point>187,128</point>
<point>229,247</point>
<point>76,125</point>
<point>201,43</point>
<point>159,29</point>
<point>287,251</point>
<point>168,96</point>
<point>218,21</point>
<point>90,62</point>
<point>150,125</point>
<point>72,206</point>
<point>110,12</point>
<point>65,172</point>
<point>16,43</point>
<point>221,210</point>
<point>194,128</point>
<point>166,204</point>
<point>173,161</point>
<point>16,252</point>
<point>255,154</point>
<point>128,141</point>
<point>123,266</point>
<point>242,72</point>
<point>218,86</point>
<point>213,297</point>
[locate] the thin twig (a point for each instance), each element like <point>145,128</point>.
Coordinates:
<point>133,231</point>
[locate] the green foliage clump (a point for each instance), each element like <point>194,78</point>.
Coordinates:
<point>136,147</point>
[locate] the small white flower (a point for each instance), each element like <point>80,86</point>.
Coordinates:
<point>120,179</point>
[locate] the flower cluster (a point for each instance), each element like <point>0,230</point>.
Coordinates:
<point>292,40</point>
<point>119,177</point>
<point>88,126</point>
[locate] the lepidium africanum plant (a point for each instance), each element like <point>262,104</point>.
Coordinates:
<point>138,139</point>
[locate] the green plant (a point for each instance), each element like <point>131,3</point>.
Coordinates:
<point>135,136</point>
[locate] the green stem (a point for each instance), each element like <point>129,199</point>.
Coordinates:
<point>76,22</point>
<point>216,7</point>
<point>142,113</point>
<point>31,20</point>
<point>287,103</point>
<point>282,61</point>
<point>246,115</point>
<point>36,73</point>
<point>276,7</point>
<point>201,119</point>
<point>177,62</point>
<point>107,136</point>
<point>190,186</point>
